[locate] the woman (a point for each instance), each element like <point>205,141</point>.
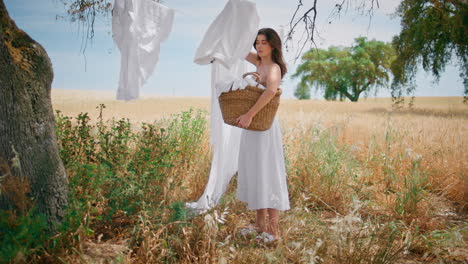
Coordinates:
<point>261,174</point>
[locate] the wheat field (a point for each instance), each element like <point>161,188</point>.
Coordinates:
<point>435,127</point>
<point>347,163</point>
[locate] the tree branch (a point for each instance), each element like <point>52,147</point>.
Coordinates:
<point>309,25</point>
<point>309,18</point>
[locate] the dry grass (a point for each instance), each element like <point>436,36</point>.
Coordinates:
<point>407,165</point>
<point>435,128</point>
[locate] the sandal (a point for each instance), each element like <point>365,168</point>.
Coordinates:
<point>265,238</point>
<point>249,230</point>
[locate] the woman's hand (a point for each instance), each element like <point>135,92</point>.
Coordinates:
<point>244,120</point>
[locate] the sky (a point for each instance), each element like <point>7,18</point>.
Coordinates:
<point>176,74</point>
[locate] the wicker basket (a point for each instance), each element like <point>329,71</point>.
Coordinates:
<point>238,102</point>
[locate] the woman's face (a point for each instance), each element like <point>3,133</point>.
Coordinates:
<point>262,46</point>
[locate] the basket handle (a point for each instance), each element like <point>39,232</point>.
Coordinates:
<point>255,74</point>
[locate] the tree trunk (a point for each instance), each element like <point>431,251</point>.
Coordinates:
<point>27,128</point>
<point>351,97</point>
<point>354,97</point>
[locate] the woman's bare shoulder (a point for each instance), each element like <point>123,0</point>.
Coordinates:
<point>274,77</point>
<point>274,71</point>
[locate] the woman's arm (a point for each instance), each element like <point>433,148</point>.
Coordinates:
<point>273,83</point>
<point>252,58</point>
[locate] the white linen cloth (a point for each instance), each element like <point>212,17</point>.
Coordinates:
<point>138,29</point>
<point>226,43</point>
<point>231,35</point>
<point>228,84</point>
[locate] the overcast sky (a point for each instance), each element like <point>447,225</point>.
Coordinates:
<point>176,74</point>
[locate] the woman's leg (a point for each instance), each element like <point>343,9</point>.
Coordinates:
<point>274,219</point>
<point>261,220</point>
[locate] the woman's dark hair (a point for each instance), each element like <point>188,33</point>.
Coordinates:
<point>275,42</point>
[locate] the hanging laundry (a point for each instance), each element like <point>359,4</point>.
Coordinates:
<point>231,35</point>
<point>138,29</point>
<point>226,43</point>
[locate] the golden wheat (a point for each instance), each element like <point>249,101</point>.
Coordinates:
<point>432,135</point>
<point>436,127</point>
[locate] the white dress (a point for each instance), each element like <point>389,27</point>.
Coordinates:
<point>261,181</point>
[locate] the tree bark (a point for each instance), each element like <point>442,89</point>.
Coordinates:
<point>344,91</point>
<point>355,96</point>
<point>28,142</point>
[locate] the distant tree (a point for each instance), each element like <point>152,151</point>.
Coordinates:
<point>302,92</point>
<point>434,33</point>
<point>346,72</point>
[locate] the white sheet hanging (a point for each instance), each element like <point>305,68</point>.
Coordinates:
<point>226,43</point>
<point>138,29</point>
